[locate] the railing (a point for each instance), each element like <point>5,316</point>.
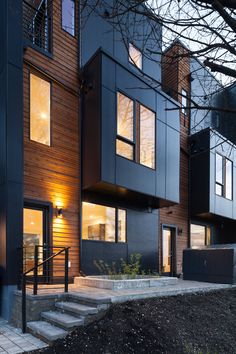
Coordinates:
<point>51,266</point>
<point>37,23</point>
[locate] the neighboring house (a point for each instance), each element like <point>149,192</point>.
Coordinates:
<point>88,152</point>
<point>206,212</point>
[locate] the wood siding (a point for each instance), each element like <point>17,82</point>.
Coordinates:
<point>51,174</point>
<point>175,74</point>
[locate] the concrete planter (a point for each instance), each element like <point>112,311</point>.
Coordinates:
<point>140,282</point>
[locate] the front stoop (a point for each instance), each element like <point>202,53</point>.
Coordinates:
<point>68,315</point>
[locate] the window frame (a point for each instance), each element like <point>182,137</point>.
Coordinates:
<point>63,29</point>
<point>130,59</point>
<point>47,51</point>
<point>137,132</point>
<point>116,223</point>
<point>205,233</point>
<point>41,76</point>
<point>223,185</point>
<point>184,96</point>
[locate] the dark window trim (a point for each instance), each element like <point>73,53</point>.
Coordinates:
<point>50,29</point>
<point>184,110</point>
<point>45,78</point>
<point>174,230</point>
<point>116,222</point>
<point>136,134</point>
<point>223,185</point>
<point>75,12</point>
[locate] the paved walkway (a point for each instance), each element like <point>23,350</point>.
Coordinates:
<point>12,341</point>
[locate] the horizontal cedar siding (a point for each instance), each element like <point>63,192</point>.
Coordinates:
<point>51,174</point>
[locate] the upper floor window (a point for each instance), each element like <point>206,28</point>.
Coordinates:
<point>224,176</point>
<point>37,23</point>
<point>200,235</point>
<point>103,223</point>
<point>135,56</point>
<point>136,132</point>
<point>40,107</point>
<point>184,102</point>
<point>68,16</point>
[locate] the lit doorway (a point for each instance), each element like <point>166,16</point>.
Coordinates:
<point>168,251</point>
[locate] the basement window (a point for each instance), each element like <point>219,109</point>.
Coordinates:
<point>40,110</point>
<point>68,16</point>
<point>103,223</point>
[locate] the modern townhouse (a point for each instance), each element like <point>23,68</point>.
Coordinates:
<point>89,152</point>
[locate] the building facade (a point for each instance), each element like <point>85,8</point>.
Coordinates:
<point>99,152</point>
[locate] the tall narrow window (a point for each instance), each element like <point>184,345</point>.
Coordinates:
<point>42,26</point>
<point>184,102</point>
<point>68,16</point>
<point>125,126</point>
<point>147,137</point>
<point>40,99</point>
<point>135,56</point>
<point>224,177</point>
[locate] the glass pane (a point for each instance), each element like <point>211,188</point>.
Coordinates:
<point>125,117</point>
<point>219,189</point>
<point>39,110</point>
<point>219,169</point>
<point>208,235</point>
<point>197,235</point>
<point>33,235</point>
<point>147,137</point>
<point>135,56</point>
<point>184,101</point>
<point>68,16</point>
<point>124,149</point>
<point>98,222</point>
<point>228,178</point>
<point>121,225</point>
<point>166,251</point>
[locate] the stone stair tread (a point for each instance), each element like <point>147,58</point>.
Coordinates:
<point>46,330</point>
<point>63,319</point>
<point>76,308</point>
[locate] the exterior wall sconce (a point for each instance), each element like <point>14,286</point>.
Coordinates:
<point>59,212</point>
<point>180,231</point>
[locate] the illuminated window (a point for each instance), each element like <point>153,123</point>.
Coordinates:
<point>103,223</point>
<point>68,16</point>
<point>135,144</point>
<point>200,235</point>
<point>135,56</point>
<point>224,176</point>
<point>40,101</point>
<point>147,137</point>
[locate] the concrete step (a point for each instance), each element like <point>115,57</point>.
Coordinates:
<point>46,331</point>
<point>76,308</point>
<point>62,319</point>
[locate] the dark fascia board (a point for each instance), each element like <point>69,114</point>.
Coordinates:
<point>210,129</point>
<point>146,82</point>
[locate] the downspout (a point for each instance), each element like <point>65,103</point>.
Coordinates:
<point>80,113</point>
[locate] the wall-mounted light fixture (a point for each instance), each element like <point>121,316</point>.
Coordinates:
<point>59,212</point>
<point>180,231</point>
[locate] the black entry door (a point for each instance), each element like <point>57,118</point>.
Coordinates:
<point>168,251</point>
<point>35,233</point>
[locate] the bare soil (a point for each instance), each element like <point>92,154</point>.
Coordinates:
<point>183,324</point>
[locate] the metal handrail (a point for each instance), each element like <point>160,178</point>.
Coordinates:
<point>34,269</point>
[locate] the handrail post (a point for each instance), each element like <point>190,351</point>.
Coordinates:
<point>36,261</point>
<point>23,303</point>
<point>66,269</point>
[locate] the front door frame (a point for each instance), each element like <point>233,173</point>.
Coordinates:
<point>173,229</point>
<point>47,209</point>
